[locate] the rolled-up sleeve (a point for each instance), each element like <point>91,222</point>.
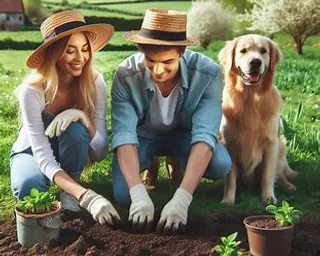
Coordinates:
<point>123,114</point>
<point>207,116</point>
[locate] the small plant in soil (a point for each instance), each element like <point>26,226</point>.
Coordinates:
<point>37,202</point>
<point>229,246</point>
<point>286,215</point>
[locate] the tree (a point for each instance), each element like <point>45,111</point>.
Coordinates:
<point>298,18</point>
<point>208,21</point>
<point>35,11</point>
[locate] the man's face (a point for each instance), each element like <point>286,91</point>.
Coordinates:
<point>164,66</point>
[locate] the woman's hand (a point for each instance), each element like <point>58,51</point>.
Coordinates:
<point>61,122</point>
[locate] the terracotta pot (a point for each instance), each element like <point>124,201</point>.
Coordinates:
<point>268,242</point>
<point>38,228</point>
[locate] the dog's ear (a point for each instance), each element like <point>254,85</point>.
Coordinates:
<point>275,55</point>
<point>226,55</point>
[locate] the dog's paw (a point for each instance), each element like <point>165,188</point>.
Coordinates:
<point>290,188</point>
<point>227,201</point>
<point>269,199</point>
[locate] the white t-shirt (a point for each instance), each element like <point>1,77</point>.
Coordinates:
<point>32,133</point>
<point>162,110</point>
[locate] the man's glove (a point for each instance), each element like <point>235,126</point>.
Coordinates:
<point>175,213</point>
<point>141,209</point>
<point>61,122</point>
<point>99,207</point>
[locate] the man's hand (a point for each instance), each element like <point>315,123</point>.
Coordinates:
<point>141,209</point>
<point>100,208</point>
<point>61,122</point>
<point>175,213</point>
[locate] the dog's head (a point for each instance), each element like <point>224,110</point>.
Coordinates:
<point>250,57</point>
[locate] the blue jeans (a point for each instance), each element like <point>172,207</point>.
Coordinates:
<point>70,149</point>
<point>173,143</point>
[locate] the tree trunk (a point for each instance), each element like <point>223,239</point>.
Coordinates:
<point>299,44</point>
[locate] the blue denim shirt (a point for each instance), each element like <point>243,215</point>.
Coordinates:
<point>198,108</point>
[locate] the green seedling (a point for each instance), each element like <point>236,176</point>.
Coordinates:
<point>36,202</point>
<point>286,215</point>
<point>229,246</point>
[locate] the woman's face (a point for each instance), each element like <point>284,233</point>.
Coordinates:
<point>75,56</point>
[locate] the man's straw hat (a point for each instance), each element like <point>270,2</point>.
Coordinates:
<point>66,23</point>
<point>162,27</point>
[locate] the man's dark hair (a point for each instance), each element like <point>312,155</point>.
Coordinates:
<point>161,48</point>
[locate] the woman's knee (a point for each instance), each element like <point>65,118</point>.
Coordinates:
<point>23,187</point>
<point>75,134</point>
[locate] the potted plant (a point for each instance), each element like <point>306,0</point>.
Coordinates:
<point>37,218</point>
<point>229,246</point>
<point>271,235</point>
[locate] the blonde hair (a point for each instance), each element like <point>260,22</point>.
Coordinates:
<point>47,77</point>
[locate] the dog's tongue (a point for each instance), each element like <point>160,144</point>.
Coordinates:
<point>253,78</point>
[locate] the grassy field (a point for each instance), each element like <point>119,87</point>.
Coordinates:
<point>35,36</point>
<point>142,7</point>
<point>299,83</point>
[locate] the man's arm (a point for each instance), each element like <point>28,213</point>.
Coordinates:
<point>198,161</point>
<point>205,124</point>
<point>125,142</point>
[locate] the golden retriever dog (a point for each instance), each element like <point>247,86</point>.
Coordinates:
<point>250,126</point>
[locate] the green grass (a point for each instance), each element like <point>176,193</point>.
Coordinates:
<point>297,78</point>
<point>35,36</point>
<point>142,7</point>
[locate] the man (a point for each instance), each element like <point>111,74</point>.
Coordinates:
<point>166,101</point>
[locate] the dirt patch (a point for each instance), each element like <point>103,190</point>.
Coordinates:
<point>82,236</point>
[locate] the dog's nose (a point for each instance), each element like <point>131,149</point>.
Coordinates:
<point>255,63</point>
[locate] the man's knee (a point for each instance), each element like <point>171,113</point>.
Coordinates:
<point>121,195</point>
<point>220,164</point>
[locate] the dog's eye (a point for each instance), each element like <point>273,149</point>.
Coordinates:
<point>263,50</point>
<point>244,50</point>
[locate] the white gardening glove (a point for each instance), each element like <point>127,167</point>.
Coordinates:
<point>61,122</point>
<point>175,213</point>
<point>100,208</point>
<point>141,209</point>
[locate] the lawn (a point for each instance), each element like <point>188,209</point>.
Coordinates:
<point>297,79</point>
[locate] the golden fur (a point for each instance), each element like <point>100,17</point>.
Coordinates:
<point>250,124</point>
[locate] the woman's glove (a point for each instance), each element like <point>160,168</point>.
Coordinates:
<point>141,209</point>
<point>175,213</point>
<point>61,122</point>
<point>100,208</point>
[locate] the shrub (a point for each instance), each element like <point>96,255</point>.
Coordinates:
<point>208,21</point>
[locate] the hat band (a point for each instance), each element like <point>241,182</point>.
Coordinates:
<point>63,28</point>
<point>163,35</point>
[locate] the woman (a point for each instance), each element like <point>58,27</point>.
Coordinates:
<point>63,110</point>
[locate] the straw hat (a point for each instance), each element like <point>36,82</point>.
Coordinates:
<point>66,23</point>
<point>162,27</point>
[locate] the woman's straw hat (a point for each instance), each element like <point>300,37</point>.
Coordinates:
<point>162,27</point>
<point>66,23</point>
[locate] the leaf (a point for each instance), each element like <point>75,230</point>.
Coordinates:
<point>271,208</point>
<point>233,236</point>
<point>34,192</point>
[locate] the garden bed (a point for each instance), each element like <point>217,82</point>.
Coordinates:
<point>82,236</point>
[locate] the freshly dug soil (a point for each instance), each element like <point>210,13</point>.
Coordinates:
<point>82,236</point>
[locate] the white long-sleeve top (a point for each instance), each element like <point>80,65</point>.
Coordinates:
<point>32,133</point>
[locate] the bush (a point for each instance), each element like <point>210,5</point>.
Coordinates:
<point>208,21</point>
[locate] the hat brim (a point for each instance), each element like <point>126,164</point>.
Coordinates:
<point>134,37</point>
<point>99,36</point>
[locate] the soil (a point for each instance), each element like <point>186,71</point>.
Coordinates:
<point>82,236</point>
